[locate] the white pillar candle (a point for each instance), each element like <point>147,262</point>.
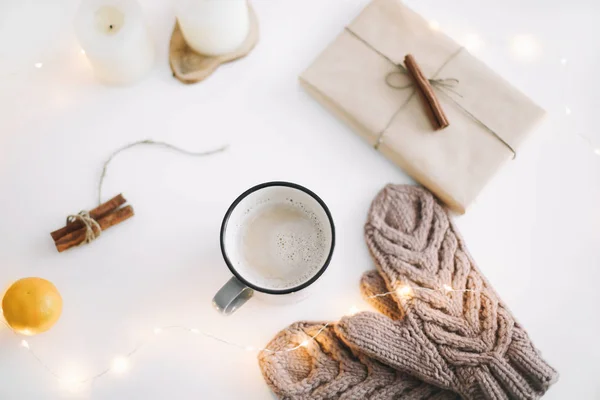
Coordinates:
<point>213,27</point>
<point>115,39</point>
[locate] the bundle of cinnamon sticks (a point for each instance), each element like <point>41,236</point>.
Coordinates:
<point>106,215</point>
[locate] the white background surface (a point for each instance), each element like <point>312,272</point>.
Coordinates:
<point>535,231</point>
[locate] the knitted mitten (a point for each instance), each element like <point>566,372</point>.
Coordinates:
<point>326,369</point>
<point>455,332</point>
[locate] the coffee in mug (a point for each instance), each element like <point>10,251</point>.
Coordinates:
<point>276,238</point>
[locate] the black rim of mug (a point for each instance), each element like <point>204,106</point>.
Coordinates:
<point>237,202</point>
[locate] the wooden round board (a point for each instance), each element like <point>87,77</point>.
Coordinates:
<point>191,67</point>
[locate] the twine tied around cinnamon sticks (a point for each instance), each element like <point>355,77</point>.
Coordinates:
<point>87,226</point>
<point>92,227</point>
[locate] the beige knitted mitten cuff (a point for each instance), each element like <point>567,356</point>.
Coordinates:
<point>455,333</point>
<point>327,369</point>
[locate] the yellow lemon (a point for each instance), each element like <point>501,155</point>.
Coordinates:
<point>31,305</point>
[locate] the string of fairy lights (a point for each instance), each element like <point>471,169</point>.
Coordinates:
<point>524,46</point>
<point>121,364</point>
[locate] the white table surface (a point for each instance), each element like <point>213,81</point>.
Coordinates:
<point>535,230</point>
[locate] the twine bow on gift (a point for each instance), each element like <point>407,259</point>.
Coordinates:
<point>442,83</point>
<point>425,85</point>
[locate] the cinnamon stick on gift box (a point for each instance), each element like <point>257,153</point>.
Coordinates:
<point>107,214</point>
<point>433,107</point>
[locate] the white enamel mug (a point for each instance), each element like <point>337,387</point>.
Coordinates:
<point>242,286</point>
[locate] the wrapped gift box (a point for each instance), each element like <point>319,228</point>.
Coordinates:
<point>489,118</point>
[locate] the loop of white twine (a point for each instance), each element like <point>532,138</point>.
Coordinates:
<point>152,143</point>
<point>92,227</point>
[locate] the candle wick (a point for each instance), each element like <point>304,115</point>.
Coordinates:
<point>110,26</point>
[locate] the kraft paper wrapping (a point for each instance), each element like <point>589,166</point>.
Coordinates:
<point>484,110</point>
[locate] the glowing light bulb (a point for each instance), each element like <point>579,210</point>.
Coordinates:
<point>194,331</point>
<point>434,25</point>
<point>404,291</point>
<point>82,51</point>
<point>24,344</point>
<point>157,331</point>
<point>70,385</point>
<point>38,65</point>
<point>567,111</point>
<point>597,151</point>
<point>71,380</point>
<point>353,310</point>
<point>250,348</point>
<point>304,344</point>
<point>525,47</point>
<point>563,61</point>
<point>120,365</point>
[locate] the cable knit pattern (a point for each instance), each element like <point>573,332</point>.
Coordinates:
<point>465,340</point>
<point>327,369</point>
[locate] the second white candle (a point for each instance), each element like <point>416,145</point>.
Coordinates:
<point>213,27</point>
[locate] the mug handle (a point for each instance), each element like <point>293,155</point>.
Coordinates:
<point>231,296</point>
